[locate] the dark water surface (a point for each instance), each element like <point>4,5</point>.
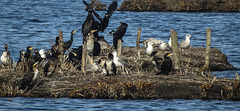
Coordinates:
<point>36,23</point>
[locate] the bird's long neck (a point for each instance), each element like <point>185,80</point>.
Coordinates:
<point>188,39</point>
<point>35,75</point>
<point>71,39</point>
<point>6,49</point>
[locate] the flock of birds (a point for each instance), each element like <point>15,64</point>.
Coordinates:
<point>48,59</point>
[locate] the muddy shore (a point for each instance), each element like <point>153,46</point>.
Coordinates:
<point>141,82</point>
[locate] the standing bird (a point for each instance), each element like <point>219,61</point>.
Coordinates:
<point>36,56</point>
<point>90,42</point>
<point>29,79</point>
<point>68,43</point>
<point>50,66</point>
<point>88,24</point>
<point>163,46</point>
<point>110,65</point>
<point>149,49</point>
<point>119,33</point>
<point>170,43</point>
<point>120,62</point>
<point>166,64</point>
<point>102,62</point>
<point>28,53</point>
<point>21,57</point>
<point>54,48</point>
<point>5,58</point>
<point>185,43</point>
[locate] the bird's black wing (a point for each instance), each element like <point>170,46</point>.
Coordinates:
<point>111,8</point>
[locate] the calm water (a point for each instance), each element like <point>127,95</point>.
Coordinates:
<point>36,23</point>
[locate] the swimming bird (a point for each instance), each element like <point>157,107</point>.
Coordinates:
<point>153,40</point>
<point>110,65</point>
<point>5,58</point>
<point>166,65</point>
<point>185,43</point>
<point>149,49</point>
<point>29,79</point>
<point>68,43</point>
<point>119,33</point>
<point>88,24</point>
<point>120,62</point>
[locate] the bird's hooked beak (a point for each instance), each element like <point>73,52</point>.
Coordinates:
<point>31,48</point>
<point>111,33</point>
<point>92,31</point>
<point>75,31</point>
<point>170,54</point>
<point>75,54</point>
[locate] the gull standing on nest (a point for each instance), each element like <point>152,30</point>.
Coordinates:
<point>185,43</point>
<point>5,58</point>
<point>120,62</point>
<point>163,46</point>
<point>149,49</point>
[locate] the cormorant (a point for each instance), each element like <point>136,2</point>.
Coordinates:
<point>101,63</point>
<point>90,42</point>
<point>29,79</point>
<point>54,48</point>
<point>50,66</point>
<point>120,62</point>
<point>28,53</point>
<point>88,23</point>
<point>166,64</point>
<point>68,43</point>
<point>119,33</point>
<point>104,22</point>
<point>110,65</point>
<point>185,43</point>
<point>153,40</point>
<point>36,56</point>
<point>5,58</point>
<point>21,57</point>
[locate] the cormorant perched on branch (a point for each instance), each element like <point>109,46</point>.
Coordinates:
<point>5,58</point>
<point>88,23</point>
<point>68,43</point>
<point>29,53</point>
<point>119,33</point>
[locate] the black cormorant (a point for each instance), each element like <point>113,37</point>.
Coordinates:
<point>54,48</point>
<point>68,43</point>
<point>119,33</point>
<point>5,58</point>
<point>166,65</point>
<point>110,65</point>
<point>21,56</point>
<point>29,79</point>
<point>88,24</point>
<point>104,22</point>
<point>28,53</point>
<point>36,56</point>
